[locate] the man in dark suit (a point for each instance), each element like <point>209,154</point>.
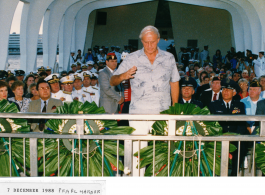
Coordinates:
<point>109,97</point>
<point>229,106</point>
<point>188,85</point>
<point>215,93</point>
<point>45,104</point>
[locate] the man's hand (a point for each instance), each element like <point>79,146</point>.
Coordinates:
<point>117,79</point>
<point>121,100</point>
<point>129,74</point>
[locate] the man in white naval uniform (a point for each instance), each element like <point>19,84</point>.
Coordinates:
<point>90,65</point>
<point>68,85</point>
<point>93,91</point>
<point>56,93</point>
<point>78,82</point>
<point>94,80</point>
<point>259,65</point>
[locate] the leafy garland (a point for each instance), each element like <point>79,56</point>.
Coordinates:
<point>69,166</point>
<point>6,126</point>
<point>204,128</point>
<point>91,127</point>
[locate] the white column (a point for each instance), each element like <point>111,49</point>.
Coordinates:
<point>61,46</point>
<point>69,19</point>
<point>259,6</point>
<point>58,9</point>
<point>254,23</point>
<point>7,10</point>
<point>45,38</point>
<point>36,12</point>
<point>23,36</point>
<point>84,29</point>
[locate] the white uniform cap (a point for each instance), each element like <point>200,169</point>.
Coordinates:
<point>245,71</point>
<point>48,68</point>
<point>86,74</point>
<point>52,77</point>
<point>95,75</point>
<point>261,51</point>
<point>124,55</point>
<point>93,70</point>
<point>100,49</point>
<point>72,51</point>
<point>84,65</point>
<point>90,62</point>
<point>78,76</point>
<point>67,79</point>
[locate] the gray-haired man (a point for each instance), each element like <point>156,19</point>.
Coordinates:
<point>154,79</point>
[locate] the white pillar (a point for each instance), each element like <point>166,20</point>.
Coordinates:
<point>23,36</point>
<point>84,29</point>
<point>7,10</point>
<point>254,24</point>
<point>69,19</point>
<point>57,10</point>
<point>259,6</point>
<point>36,12</point>
<point>61,46</point>
<point>45,38</point>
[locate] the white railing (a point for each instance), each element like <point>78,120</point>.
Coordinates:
<point>128,139</point>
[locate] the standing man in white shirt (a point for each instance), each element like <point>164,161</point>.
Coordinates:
<point>259,64</point>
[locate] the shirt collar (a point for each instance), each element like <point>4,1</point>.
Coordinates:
<point>42,101</point>
<point>228,103</point>
<point>110,69</point>
<point>186,101</point>
<point>160,52</point>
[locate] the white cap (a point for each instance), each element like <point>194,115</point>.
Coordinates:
<point>124,55</point>
<point>52,77</point>
<point>95,75</point>
<point>93,70</point>
<point>86,74</point>
<point>67,79</point>
<point>78,76</point>
<point>48,68</point>
<point>90,62</point>
<point>72,51</point>
<point>100,49</point>
<point>245,71</point>
<point>84,65</point>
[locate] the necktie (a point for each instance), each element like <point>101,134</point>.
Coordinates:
<point>44,107</point>
<point>227,107</point>
<point>42,121</point>
<point>214,96</point>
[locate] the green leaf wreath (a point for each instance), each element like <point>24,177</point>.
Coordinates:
<point>95,146</point>
<point>188,128</point>
<point>69,165</point>
<point>6,126</point>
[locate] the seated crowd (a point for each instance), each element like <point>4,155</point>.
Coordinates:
<point>230,84</point>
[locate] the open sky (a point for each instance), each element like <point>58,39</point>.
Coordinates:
<point>15,27</point>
